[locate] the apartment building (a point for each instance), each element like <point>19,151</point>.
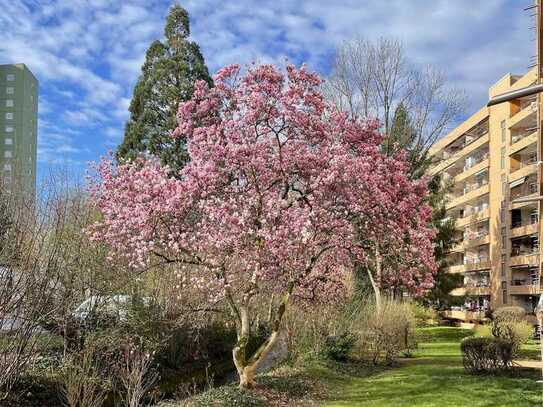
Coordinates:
<point>492,162</point>
<point>18,129</point>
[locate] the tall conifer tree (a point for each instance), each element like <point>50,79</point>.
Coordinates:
<point>171,67</point>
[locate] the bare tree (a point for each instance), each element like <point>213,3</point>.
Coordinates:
<point>27,284</point>
<point>376,79</point>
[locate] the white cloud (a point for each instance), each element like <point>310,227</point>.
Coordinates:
<point>87,54</point>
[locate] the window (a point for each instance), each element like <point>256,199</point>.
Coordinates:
<point>9,129</point>
<point>10,77</point>
<point>8,142</point>
<point>9,116</point>
<point>7,154</point>
<point>7,167</point>
<point>502,125</point>
<point>504,296</point>
<point>502,160</point>
<point>10,90</point>
<point>9,103</point>
<point>534,216</point>
<point>503,270</point>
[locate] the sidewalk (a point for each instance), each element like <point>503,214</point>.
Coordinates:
<point>529,363</point>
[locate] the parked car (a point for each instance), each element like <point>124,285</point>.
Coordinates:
<point>111,305</point>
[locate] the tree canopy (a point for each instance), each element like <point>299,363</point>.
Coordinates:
<point>282,194</point>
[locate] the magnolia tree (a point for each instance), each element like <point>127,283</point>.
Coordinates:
<point>281,195</point>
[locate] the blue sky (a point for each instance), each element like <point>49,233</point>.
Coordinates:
<point>87,54</point>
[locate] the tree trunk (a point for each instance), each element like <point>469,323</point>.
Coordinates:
<point>376,281</point>
<point>247,367</point>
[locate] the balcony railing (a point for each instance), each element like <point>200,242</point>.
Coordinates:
<point>470,309</point>
<point>525,190</point>
<point>474,210</point>
<point>524,251</point>
<point>472,187</point>
<point>476,261</point>
<point>474,160</point>
<point>477,284</point>
<point>525,282</point>
<point>520,224</point>
<point>475,235</point>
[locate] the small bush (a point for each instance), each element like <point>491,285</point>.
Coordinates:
<point>509,324</point>
<point>387,333</point>
<point>424,316</point>
<point>226,396</point>
<point>82,382</point>
<point>339,347</point>
<point>509,314</point>
<point>486,355</point>
<point>309,329</point>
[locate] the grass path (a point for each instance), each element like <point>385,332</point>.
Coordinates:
<point>435,378</point>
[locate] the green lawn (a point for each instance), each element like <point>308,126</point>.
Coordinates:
<point>434,377</point>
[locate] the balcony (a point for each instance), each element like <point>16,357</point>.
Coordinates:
<point>524,259</point>
<point>465,315</point>
<point>475,264</point>
<point>474,169</point>
<point>518,230</point>
<point>523,188</point>
<point>473,216</point>
<point>471,194</point>
<point>524,287</point>
<point>474,239</point>
<point>525,117</point>
<point>471,290</point>
<point>460,153</point>
<point>525,170</point>
<point>478,290</point>
<point>522,142</point>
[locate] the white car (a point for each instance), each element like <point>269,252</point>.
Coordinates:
<point>110,304</point>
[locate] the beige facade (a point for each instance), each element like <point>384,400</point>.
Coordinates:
<point>492,161</point>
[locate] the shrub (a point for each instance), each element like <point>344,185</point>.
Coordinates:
<point>386,333</point>
<point>339,347</point>
<point>485,355</point>
<point>424,316</point>
<point>508,323</point>
<point>226,396</point>
<point>83,383</point>
<point>309,330</point>
<point>509,314</point>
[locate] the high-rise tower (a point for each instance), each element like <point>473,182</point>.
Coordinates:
<point>18,129</point>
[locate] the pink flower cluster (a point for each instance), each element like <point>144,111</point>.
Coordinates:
<point>280,189</point>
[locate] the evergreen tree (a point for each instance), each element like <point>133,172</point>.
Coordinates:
<point>171,67</point>
<point>444,282</point>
